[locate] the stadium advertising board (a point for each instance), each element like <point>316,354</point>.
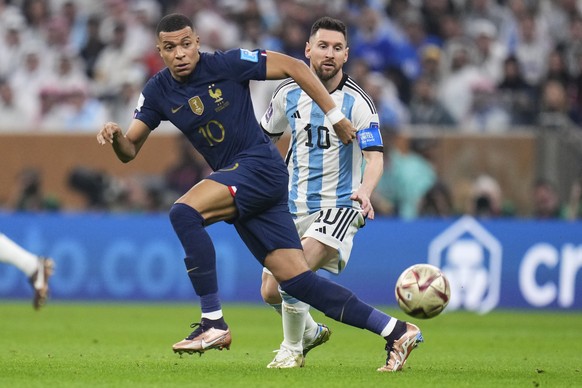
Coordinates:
<point>490,263</point>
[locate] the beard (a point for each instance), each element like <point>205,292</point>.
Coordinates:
<point>326,75</point>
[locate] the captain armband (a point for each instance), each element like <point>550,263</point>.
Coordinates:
<point>370,137</point>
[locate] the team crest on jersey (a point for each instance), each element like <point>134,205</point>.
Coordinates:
<point>216,94</point>
<point>196,105</point>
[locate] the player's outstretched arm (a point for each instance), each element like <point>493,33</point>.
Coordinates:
<point>126,147</point>
<point>372,174</point>
<point>281,66</point>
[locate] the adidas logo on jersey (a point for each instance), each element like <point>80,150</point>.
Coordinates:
<point>321,230</point>
<point>296,115</point>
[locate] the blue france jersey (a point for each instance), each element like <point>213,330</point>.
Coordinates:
<point>213,108</point>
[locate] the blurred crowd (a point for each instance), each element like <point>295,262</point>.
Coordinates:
<point>473,66</point>
<point>476,65</point>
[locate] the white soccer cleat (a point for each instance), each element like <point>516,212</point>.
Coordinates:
<point>286,358</point>
<point>401,349</point>
<point>202,339</point>
<point>39,281</point>
<point>322,336</point>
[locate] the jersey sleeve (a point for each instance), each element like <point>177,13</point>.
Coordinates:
<point>146,110</point>
<point>274,122</point>
<point>241,65</point>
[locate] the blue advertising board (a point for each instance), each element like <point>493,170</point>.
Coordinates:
<point>490,264</point>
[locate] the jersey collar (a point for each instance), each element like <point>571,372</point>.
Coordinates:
<point>341,83</point>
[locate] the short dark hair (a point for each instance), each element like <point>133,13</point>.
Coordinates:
<point>328,23</point>
<point>173,22</point>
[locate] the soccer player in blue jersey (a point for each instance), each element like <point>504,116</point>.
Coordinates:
<point>207,97</point>
<point>329,196</point>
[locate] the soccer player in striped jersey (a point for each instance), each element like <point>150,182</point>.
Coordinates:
<point>329,196</point>
<point>207,97</point>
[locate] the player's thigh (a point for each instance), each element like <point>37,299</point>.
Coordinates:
<point>317,253</point>
<point>327,237</point>
<point>212,200</point>
<point>285,264</point>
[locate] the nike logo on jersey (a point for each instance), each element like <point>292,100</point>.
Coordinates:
<point>231,168</point>
<point>175,110</point>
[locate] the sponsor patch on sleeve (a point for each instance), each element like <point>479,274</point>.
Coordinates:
<point>269,112</point>
<point>370,137</point>
<point>247,55</point>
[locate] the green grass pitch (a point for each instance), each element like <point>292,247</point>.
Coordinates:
<point>129,345</point>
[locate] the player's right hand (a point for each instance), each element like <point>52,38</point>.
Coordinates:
<point>109,131</point>
<point>345,131</point>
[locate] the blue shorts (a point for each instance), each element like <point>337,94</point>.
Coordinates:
<point>259,188</point>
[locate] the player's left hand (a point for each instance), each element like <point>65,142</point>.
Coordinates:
<point>365,203</point>
<point>345,131</point>
<point>109,131</point>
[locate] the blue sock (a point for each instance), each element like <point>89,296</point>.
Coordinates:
<point>335,301</point>
<point>210,303</point>
<point>200,256</point>
<point>377,321</point>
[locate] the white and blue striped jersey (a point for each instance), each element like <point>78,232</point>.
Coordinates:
<point>323,172</point>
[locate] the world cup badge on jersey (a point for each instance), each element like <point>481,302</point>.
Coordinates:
<point>196,105</point>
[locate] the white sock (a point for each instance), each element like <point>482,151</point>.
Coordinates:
<point>214,315</point>
<point>294,316</point>
<point>310,327</point>
<point>277,307</point>
<point>389,327</point>
<point>14,254</point>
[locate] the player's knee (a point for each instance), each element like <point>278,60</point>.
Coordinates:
<point>270,297</point>
<point>182,215</point>
<point>270,290</point>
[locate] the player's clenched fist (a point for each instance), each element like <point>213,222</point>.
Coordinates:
<point>108,133</point>
<point>345,131</point>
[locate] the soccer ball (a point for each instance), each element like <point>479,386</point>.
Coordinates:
<point>422,291</point>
